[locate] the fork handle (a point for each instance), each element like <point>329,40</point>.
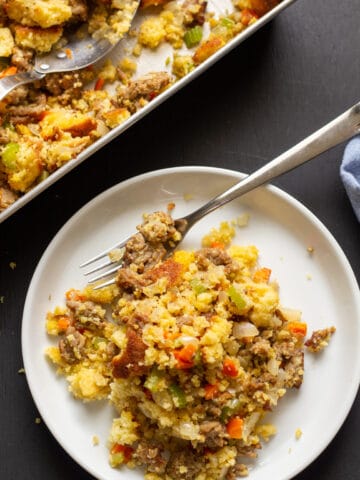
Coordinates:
<point>12,81</point>
<point>339,130</point>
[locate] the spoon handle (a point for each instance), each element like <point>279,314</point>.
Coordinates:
<point>12,81</point>
<point>339,130</point>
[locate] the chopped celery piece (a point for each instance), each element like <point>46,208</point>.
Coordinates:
<point>178,395</point>
<point>9,154</point>
<point>230,410</point>
<point>96,341</point>
<point>154,381</point>
<point>193,36</point>
<point>236,297</point>
<point>227,22</point>
<point>198,358</point>
<point>197,286</point>
<point>117,459</point>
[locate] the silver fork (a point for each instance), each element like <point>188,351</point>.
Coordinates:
<point>339,130</point>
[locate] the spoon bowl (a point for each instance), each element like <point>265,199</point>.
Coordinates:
<point>80,51</point>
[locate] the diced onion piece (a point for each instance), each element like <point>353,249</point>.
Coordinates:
<point>187,339</point>
<point>289,314</point>
<point>249,425</point>
<point>273,366</point>
<point>244,329</point>
<point>187,431</point>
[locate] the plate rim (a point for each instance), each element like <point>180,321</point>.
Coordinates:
<point>234,174</point>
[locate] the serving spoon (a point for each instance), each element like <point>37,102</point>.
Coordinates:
<point>79,52</point>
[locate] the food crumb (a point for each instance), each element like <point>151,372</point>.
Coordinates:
<point>170,206</point>
<point>21,370</point>
<point>242,220</point>
<point>2,299</point>
<point>319,339</point>
<point>12,265</point>
<point>298,433</point>
<point>95,440</point>
<point>188,196</point>
<point>37,420</point>
<point>308,276</point>
<point>310,249</point>
<point>116,254</point>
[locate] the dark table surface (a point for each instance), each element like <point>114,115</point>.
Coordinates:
<point>286,81</point>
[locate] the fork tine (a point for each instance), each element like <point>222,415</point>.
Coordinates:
<point>100,267</point>
<point>104,284</point>
<point>104,253</point>
<point>104,274</point>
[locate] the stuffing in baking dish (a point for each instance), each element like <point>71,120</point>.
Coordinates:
<point>46,124</point>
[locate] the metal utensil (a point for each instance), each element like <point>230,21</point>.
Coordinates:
<point>339,130</point>
<point>79,52</point>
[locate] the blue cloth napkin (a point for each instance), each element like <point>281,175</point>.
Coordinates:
<point>350,173</point>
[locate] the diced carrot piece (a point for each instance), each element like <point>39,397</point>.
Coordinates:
<point>260,7</point>
<point>8,71</point>
<point>63,323</point>
<point>185,356</point>
<point>99,84</point>
<point>262,275</point>
<point>235,427</point>
<point>217,244</point>
<point>125,449</point>
<point>171,335</point>
<point>207,48</point>
<point>247,16</point>
<point>211,391</point>
<point>297,328</point>
<point>229,368</point>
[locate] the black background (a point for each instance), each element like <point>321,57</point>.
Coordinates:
<point>290,78</point>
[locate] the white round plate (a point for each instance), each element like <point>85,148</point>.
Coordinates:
<point>321,284</point>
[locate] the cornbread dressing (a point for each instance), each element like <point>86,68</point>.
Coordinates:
<point>48,123</point>
<point>197,351</point>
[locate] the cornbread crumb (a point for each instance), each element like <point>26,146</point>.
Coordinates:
<point>243,220</point>
<point>95,440</point>
<point>152,32</point>
<point>12,265</point>
<point>43,13</point>
<point>116,254</point>
<point>188,196</point>
<point>6,42</point>
<point>298,433</point>
<point>21,370</point>
<point>223,235</point>
<point>37,420</point>
<point>310,250</point>
<point>40,39</point>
